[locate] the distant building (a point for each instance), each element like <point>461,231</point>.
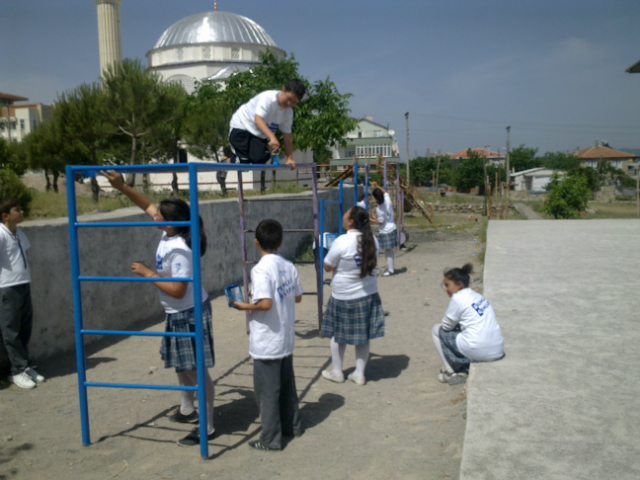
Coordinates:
<point>368,140</point>
<point>592,155</point>
<point>493,158</point>
<point>534,180</point>
<point>18,120</point>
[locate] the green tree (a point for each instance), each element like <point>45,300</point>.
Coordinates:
<point>560,161</point>
<point>81,115</point>
<point>566,197</point>
<point>136,103</point>
<point>524,158</point>
<point>45,149</point>
<point>424,168</point>
<point>470,171</point>
<point>11,157</point>
<point>12,186</point>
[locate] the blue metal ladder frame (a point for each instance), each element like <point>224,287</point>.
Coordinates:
<point>76,278</point>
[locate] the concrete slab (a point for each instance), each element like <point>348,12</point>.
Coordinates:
<point>564,402</point>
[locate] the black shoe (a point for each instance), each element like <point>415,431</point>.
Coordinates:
<point>296,434</point>
<point>180,418</point>
<point>258,446</point>
<point>193,439</point>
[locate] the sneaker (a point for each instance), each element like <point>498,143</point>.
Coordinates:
<point>357,380</point>
<point>178,417</point>
<point>387,274</point>
<point>35,376</point>
<point>259,446</point>
<point>452,378</point>
<point>328,374</point>
<point>23,380</point>
<point>194,439</point>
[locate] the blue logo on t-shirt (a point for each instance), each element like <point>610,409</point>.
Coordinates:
<point>286,287</point>
<point>158,262</point>
<point>481,306</point>
<point>274,127</point>
<point>358,259</point>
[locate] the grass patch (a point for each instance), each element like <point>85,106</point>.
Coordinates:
<point>304,252</point>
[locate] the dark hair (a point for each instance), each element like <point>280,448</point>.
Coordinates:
<point>296,87</point>
<point>177,210</point>
<point>269,235</point>
<point>457,275</point>
<point>366,243</point>
<point>378,195</point>
<point>361,197</point>
<point>6,204</point>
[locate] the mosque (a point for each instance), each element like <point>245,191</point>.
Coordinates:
<point>206,46</point>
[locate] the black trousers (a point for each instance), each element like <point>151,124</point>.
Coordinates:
<point>16,317</point>
<point>274,384</point>
<point>248,148</point>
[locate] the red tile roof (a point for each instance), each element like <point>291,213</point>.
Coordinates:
<point>600,151</point>
<point>12,98</point>
<point>483,152</point>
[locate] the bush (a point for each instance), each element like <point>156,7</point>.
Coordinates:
<point>12,186</point>
<point>567,197</point>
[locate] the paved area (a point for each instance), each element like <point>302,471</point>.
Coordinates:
<point>564,402</point>
<point>527,212</point>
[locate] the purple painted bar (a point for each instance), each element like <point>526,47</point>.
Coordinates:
<point>243,246</point>
<point>398,201</point>
<point>316,237</point>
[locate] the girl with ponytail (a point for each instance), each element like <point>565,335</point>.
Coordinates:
<point>174,258</point>
<point>354,313</point>
<point>469,331</point>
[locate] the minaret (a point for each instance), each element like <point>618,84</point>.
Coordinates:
<point>109,36</point>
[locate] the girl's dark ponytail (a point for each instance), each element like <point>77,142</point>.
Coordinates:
<point>175,209</point>
<point>459,275</point>
<point>366,243</point>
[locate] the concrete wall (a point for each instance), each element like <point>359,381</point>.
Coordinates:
<point>110,251</point>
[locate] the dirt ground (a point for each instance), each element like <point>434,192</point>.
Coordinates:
<point>401,424</point>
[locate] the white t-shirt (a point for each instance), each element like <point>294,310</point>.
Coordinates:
<point>481,338</point>
<point>272,332</point>
<point>344,257</point>
<point>174,259</point>
<point>14,269</point>
<point>384,213</point>
<point>361,204</point>
<point>266,105</point>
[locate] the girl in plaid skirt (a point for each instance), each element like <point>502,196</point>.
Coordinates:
<point>174,259</point>
<point>354,314</point>
<point>388,232</point>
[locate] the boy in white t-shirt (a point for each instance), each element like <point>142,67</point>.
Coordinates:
<point>16,311</point>
<point>275,289</point>
<point>254,125</point>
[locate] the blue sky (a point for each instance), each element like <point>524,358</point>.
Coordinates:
<point>463,69</point>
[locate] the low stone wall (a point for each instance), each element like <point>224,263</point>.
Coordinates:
<point>464,207</point>
<point>110,251</point>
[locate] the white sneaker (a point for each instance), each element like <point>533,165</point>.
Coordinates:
<point>328,374</point>
<point>387,274</point>
<point>35,376</point>
<point>356,380</point>
<point>23,380</point>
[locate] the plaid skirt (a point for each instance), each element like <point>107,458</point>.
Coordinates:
<point>180,352</point>
<point>388,240</point>
<point>455,358</point>
<point>354,322</point>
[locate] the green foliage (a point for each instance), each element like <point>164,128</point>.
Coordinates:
<point>567,197</point>
<point>207,113</point>
<point>11,157</point>
<point>470,171</point>
<point>12,186</point>
<point>523,158</point>
<point>423,168</point>
<point>560,161</point>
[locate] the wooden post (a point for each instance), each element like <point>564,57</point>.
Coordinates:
<point>297,177</point>
<point>488,183</point>
<point>638,189</point>
<point>438,173</point>
<point>506,212</point>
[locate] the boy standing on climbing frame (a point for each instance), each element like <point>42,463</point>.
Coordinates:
<point>253,127</point>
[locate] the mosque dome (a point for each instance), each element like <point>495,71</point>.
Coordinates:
<point>215,27</point>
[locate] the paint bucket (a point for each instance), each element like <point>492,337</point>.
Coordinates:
<point>234,294</point>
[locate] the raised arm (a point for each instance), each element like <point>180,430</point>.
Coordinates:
<point>117,182</point>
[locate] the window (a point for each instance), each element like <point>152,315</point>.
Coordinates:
<point>13,125</point>
<point>206,52</point>
<point>235,53</point>
<point>359,134</point>
<point>35,124</point>
<point>22,124</point>
<point>377,133</point>
<point>180,54</point>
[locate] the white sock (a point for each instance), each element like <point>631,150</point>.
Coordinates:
<point>362,357</point>
<point>209,391</point>
<point>337,356</point>
<point>435,330</point>
<point>186,406</point>
<point>390,257</point>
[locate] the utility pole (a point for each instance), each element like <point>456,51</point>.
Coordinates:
<point>506,212</point>
<point>406,116</point>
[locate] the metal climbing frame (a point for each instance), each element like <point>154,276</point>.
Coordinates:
<point>76,278</point>
<point>399,198</point>
<point>315,230</point>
